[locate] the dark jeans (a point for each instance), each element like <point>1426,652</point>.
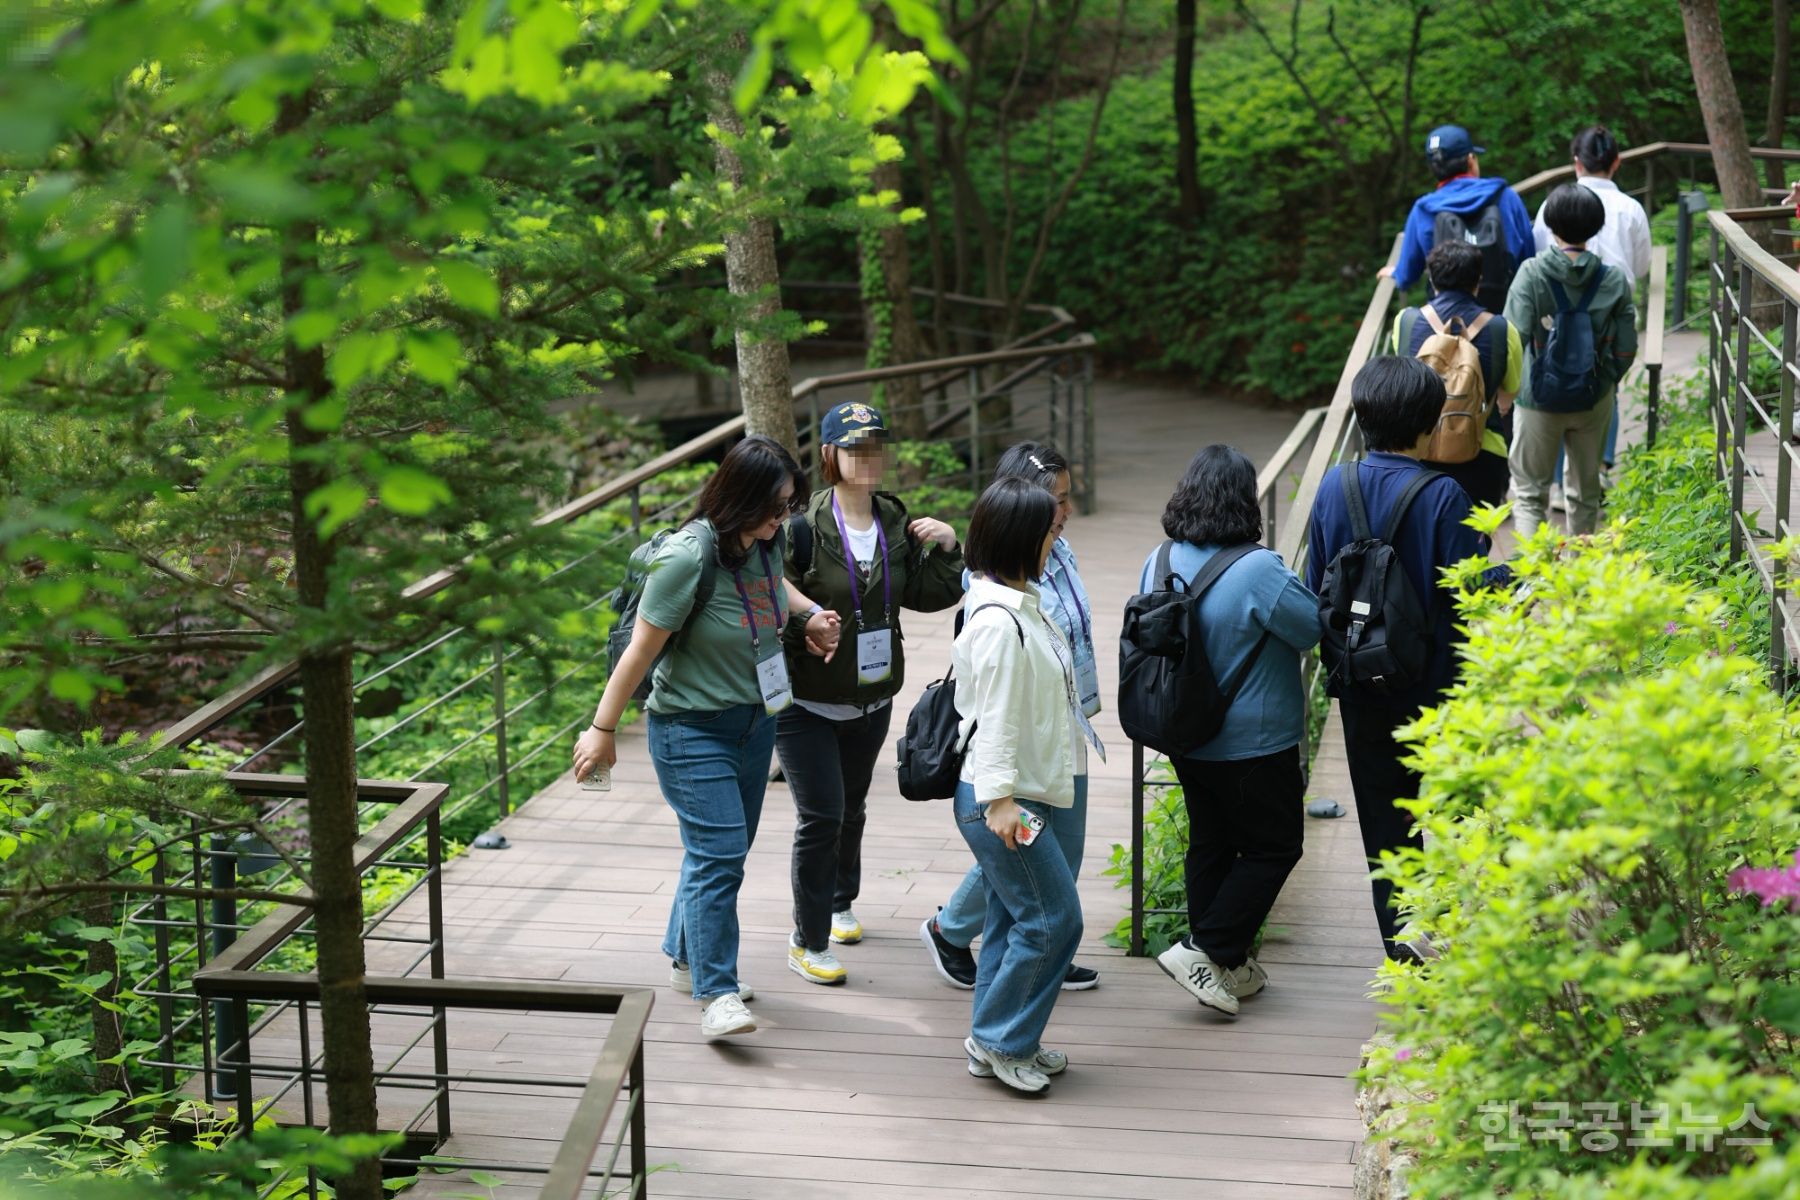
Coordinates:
<point>828,765</point>
<point>1485,477</point>
<point>1245,833</point>
<point>1378,778</point>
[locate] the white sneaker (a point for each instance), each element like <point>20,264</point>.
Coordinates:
<point>725,1016</point>
<point>1201,976</point>
<point>682,980</point>
<point>1246,980</point>
<point>1047,1062</point>
<point>814,966</point>
<point>845,928</point>
<point>1020,1074</point>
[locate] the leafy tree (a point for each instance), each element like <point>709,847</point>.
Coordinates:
<point>301,277</point>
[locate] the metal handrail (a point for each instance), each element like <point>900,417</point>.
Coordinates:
<point>1740,267</point>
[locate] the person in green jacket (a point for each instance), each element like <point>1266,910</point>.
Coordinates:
<point>857,552</point>
<point>1547,423</point>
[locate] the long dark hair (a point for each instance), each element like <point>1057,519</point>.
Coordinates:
<point>1215,502</point>
<point>746,491</point>
<point>1007,528</point>
<point>1596,149</point>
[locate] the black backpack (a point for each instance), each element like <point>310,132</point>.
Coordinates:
<point>630,593</point>
<point>930,752</point>
<point>1376,637</point>
<point>1489,236</point>
<point>1169,698</point>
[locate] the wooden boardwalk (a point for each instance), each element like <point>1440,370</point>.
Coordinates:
<point>861,1090</point>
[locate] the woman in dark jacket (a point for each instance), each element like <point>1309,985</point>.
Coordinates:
<point>855,551</point>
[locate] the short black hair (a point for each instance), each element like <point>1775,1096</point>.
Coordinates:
<point>1007,528</point>
<point>1215,502</point>
<point>1574,213</point>
<point>746,491</point>
<point>1454,267</point>
<point>1032,460</point>
<point>1397,401</point>
<point>1595,149</point>
<point>1449,168</point>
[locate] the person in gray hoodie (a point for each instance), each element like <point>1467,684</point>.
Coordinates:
<point>1545,424</point>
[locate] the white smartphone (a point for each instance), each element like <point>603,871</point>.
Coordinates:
<point>598,780</point>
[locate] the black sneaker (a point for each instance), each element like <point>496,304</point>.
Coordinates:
<point>954,963</point>
<point>1080,979</point>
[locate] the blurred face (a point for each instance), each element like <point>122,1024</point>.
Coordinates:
<point>1065,504</point>
<point>779,512</point>
<point>863,464</point>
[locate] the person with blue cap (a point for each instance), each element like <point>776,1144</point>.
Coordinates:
<point>1466,206</point>
<point>861,555</point>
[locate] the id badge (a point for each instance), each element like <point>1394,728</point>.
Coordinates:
<point>1093,739</point>
<point>772,682</point>
<point>1087,684</point>
<point>874,655</point>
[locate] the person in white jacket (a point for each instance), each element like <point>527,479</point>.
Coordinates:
<point>1623,243</point>
<point>1020,716</point>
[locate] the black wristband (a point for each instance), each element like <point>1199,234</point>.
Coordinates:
<point>599,729</point>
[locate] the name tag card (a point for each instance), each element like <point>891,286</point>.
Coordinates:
<point>772,683</point>
<point>874,655</point>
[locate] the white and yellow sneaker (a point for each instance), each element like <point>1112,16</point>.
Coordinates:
<point>814,966</point>
<point>845,928</point>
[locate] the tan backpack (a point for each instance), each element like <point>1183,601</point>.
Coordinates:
<point>1450,351</point>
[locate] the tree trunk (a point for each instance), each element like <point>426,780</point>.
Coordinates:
<point>330,738</point>
<point>103,959</point>
<point>1719,104</point>
<point>1186,139</point>
<point>1775,129</point>
<point>765,381</point>
<point>893,327</point>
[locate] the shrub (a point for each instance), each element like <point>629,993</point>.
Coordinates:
<point>1604,765</point>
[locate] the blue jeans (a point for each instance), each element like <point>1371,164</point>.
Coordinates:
<point>965,913</point>
<point>1033,926</point>
<point>713,768</point>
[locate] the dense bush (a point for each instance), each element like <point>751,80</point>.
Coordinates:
<point>1590,786</point>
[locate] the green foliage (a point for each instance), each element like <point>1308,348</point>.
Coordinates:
<point>1602,766</point>
<point>1165,857</point>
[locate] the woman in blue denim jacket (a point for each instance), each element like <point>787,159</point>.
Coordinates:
<point>1064,601</point>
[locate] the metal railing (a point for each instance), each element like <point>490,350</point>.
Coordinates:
<point>1751,374</point>
<point>211,1005</point>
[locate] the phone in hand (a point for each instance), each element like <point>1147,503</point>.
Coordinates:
<point>1030,825</point>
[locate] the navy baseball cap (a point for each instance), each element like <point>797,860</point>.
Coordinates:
<point>1447,143</point>
<point>848,424</point>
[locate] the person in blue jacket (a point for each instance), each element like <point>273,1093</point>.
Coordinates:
<point>1246,788</point>
<point>1463,191</point>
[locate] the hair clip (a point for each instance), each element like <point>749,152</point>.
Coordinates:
<point>1036,462</point>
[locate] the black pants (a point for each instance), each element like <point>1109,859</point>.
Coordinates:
<point>1245,833</point>
<point>1378,778</point>
<point>828,765</point>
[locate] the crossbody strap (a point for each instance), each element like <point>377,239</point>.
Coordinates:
<point>1353,501</point>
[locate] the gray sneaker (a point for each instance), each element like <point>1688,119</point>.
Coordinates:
<point>726,1016</point>
<point>1020,1074</point>
<point>1047,1062</point>
<point>682,980</point>
<point>1246,980</point>
<point>1201,976</point>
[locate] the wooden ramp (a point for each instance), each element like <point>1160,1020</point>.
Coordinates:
<point>861,1090</point>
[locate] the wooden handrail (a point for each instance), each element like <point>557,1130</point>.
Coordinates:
<point>1270,475</point>
<point>1655,317</point>
<point>1532,183</point>
<point>1338,416</point>
<point>1773,272</point>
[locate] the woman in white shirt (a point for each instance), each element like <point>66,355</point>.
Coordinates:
<point>1017,699</point>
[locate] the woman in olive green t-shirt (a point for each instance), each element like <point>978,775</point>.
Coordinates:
<point>712,704</point>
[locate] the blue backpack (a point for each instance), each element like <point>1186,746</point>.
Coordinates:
<point>1565,363</point>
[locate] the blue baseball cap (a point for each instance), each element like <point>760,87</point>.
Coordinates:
<point>848,424</point>
<point>1447,143</point>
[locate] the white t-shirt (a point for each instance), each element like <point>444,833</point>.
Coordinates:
<point>863,543</point>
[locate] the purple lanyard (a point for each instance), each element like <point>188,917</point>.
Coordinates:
<point>887,581</point>
<point>774,599</point>
<point>1087,634</point>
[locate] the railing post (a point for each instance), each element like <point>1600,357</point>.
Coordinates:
<point>640,1159</point>
<point>434,909</point>
<point>637,514</point>
<point>1740,404</point>
<point>500,766</point>
<point>1652,403</point>
<point>243,1089</point>
<point>1090,499</point>
<point>222,875</point>
<point>1780,667</point>
<point>975,444</point>
<point>1715,359</point>
<point>1137,850</point>
<point>165,978</point>
<point>1686,205</point>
